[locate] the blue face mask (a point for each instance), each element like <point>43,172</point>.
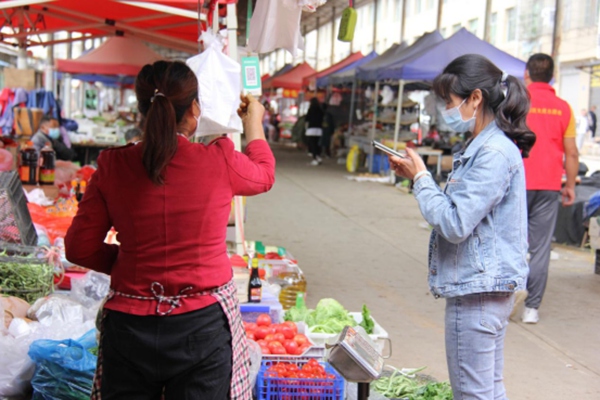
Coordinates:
<point>454,119</point>
<point>54,133</point>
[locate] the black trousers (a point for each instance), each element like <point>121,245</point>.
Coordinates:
<point>186,356</point>
<point>314,145</point>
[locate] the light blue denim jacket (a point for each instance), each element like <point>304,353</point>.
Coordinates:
<point>479,238</point>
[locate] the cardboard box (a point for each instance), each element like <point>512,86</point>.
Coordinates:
<point>27,120</point>
<point>20,78</point>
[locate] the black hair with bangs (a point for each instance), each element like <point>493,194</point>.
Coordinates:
<point>506,99</point>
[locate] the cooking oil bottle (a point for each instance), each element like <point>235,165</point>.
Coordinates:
<point>292,282</point>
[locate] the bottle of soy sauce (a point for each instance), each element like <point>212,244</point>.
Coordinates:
<point>28,165</point>
<point>47,165</point>
<point>255,285</point>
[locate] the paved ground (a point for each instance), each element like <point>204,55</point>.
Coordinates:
<point>365,242</point>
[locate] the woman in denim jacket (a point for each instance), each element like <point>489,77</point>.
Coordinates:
<point>478,247</point>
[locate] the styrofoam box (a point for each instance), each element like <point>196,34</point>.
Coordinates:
<point>378,336</point>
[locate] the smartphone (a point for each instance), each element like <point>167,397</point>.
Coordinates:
<point>387,150</point>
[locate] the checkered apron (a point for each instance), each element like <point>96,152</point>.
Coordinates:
<point>226,295</point>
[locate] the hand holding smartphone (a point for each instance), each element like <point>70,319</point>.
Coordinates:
<point>387,150</point>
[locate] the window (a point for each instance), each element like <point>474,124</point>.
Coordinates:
<point>511,24</point>
<point>456,28</point>
<point>474,26</point>
<point>430,4</point>
<point>493,27</point>
<point>418,6</point>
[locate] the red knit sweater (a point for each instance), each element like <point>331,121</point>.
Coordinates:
<point>172,234</point>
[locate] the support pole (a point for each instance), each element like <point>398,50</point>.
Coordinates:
<point>556,38</point>
<point>238,201</point>
<point>488,17</point>
<point>398,120</point>
<point>317,47</point>
<point>67,95</point>
<point>374,125</point>
<point>375,11</point>
<point>49,69</point>
<point>352,106</point>
<point>403,29</point>
<point>440,9</point>
<point>333,35</point>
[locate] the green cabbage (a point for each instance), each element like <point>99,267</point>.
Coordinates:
<point>328,317</point>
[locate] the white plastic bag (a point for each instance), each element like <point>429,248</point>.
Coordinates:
<point>311,5</point>
<point>275,24</point>
<point>219,88</point>
<point>16,368</point>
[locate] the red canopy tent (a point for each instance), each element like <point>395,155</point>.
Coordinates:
<point>311,80</point>
<point>116,56</point>
<point>170,23</point>
<point>291,81</point>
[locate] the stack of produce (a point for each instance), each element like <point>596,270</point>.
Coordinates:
<point>407,385</point>
<point>277,339</point>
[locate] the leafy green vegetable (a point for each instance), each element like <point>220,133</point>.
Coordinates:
<point>407,386</point>
<point>367,323</point>
<point>328,317</point>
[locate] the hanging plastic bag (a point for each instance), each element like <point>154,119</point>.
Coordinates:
<point>16,369</point>
<point>219,88</point>
<point>64,368</point>
<point>311,5</point>
<point>275,24</point>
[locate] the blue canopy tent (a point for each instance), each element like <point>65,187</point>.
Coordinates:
<point>348,76</point>
<point>326,80</point>
<point>427,65</point>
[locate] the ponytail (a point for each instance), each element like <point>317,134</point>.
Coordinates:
<point>511,115</point>
<point>165,90</point>
<point>503,95</point>
<point>159,141</point>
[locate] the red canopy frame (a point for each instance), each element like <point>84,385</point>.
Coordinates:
<point>170,23</point>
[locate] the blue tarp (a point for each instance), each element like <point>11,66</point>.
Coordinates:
<point>108,80</point>
<point>347,77</point>
<point>426,65</point>
<point>325,81</point>
<point>370,72</point>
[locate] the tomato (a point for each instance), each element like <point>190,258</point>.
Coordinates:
<point>278,328</point>
<point>279,337</point>
<point>301,339</point>
<point>303,348</point>
<point>250,335</point>
<point>277,349</point>
<point>250,326</point>
<point>314,363</point>
<point>263,320</point>
<point>274,344</point>
<point>291,325</point>
<point>291,347</point>
<point>288,332</point>
<point>270,337</point>
<point>265,350</point>
<point>261,332</point>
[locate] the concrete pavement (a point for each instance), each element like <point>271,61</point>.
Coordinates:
<point>365,243</point>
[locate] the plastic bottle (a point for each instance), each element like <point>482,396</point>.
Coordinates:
<point>255,285</point>
<point>47,165</point>
<point>292,282</point>
<point>28,165</point>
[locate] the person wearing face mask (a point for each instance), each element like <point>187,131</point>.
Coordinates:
<point>478,247</point>
<point>171,323</point>
<point>49,132</point>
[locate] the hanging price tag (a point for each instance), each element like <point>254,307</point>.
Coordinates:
<point>251,76</point>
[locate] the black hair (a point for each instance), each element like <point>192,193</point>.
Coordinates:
<point>47,118</point>
<point>165,90</point>
<point>540,67</point>
<point>132,133</point>
<point>470,72</point>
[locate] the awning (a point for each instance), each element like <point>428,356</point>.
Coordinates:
<point>311,80</point>
<point>170,23</point>
<point>326,80</point>
<point>291,80</point>
<point>116,56</point>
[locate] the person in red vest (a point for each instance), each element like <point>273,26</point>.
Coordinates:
<point>553,123</point>
<point>171,324</point>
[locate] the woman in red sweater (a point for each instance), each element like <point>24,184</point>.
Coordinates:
<point>171,322</point>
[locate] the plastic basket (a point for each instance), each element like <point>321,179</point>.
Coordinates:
<point>270,388</point>
<point>316,352</point>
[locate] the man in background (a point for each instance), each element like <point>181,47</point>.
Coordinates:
<point>592,120</point>
<point>133,135</point>
<point>49,132</point>
<point>553,122</point>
